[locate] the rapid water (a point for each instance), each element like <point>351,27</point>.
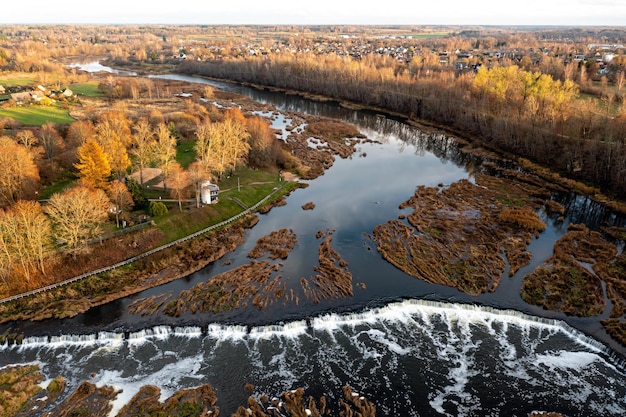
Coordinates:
<point>412,348</point>
<point>411,358</point>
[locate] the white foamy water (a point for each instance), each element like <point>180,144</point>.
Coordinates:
<point>410,358</point>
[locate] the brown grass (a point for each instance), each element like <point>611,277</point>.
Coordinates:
<point>564,284</point>
<point>333,278</point>
<point>456,235</point>
<point>18,386</point>
<point>524,218</point>
<point>332,129</point>
<point>295,403</point>
<point>276,245</point>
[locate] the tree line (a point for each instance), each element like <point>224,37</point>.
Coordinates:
<point>527,113</point>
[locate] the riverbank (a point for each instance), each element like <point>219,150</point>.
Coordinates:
<point>173,263</point>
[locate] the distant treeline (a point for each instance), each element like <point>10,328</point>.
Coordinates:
<point>526,113</point>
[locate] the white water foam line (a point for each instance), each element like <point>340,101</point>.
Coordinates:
<point>460,314</point>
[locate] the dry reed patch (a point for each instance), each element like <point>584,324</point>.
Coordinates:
<point>188,402</point>
<point>614,274</point>
<point>615,232</point>
<point>308,206</point>
<point>571,279</point>
<point>18,386</point>
<point>331,129</point>
<point>296,404</point>
<point>457,236</point>
<point>524,218</point>
<point>251,283</point>
<point>564,285</point>
<point>336,139</point>
<point>88,400</point>
<point>276,245</point>
<point>333,278</point>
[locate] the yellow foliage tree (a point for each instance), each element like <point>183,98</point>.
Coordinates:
<point>142,146</point>
<point>93,164</point>
<point>164,149</point>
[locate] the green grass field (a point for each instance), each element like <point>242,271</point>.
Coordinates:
<point>34,115</point>
<point>17,79</point>
<point>185,154</point>
<point>88,89</point>
<point>254,185</point>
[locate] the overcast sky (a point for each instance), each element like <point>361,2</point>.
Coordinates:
<point>413,12</point>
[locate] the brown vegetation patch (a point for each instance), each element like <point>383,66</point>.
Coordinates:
<point>333,278</point>
<point>524,218</point>
<point>18,386</point>
<point>276,245</point>
<point>338,139</point>
<point>248,284</point>
<point>188,402</point>
<point>615,232</point>
<point>87,400</point>
<point>282,201</point>
<point>614,274</point>
<point>456,236</point>
<point>294,403</point>
<point>571,279</point>
<point>332,129</point>
<point>308,206</point>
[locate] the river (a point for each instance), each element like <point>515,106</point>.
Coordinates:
<point>412,348</point>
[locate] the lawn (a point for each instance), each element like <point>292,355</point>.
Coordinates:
<point>253,186</point>
<point>185,153</point>
<point>88,89</point>
<point>17,79</point>
<point>57,187</point>
<point>34,115</point>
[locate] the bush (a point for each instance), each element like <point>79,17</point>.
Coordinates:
<point>139,199</point>
<point>156,208</point>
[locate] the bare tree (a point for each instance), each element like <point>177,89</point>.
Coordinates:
<point>77,215</point>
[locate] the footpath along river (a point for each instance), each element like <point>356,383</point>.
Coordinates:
<point>412,348</point>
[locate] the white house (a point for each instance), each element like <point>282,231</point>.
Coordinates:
<point>209,193</point>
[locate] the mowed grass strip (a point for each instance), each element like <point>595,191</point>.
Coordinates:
<point>34,115</point>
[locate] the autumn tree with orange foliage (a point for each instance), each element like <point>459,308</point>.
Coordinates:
<point>178,182</point>
<point>264,146</point>
<point>19,176</point>
<point>113,134</point>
